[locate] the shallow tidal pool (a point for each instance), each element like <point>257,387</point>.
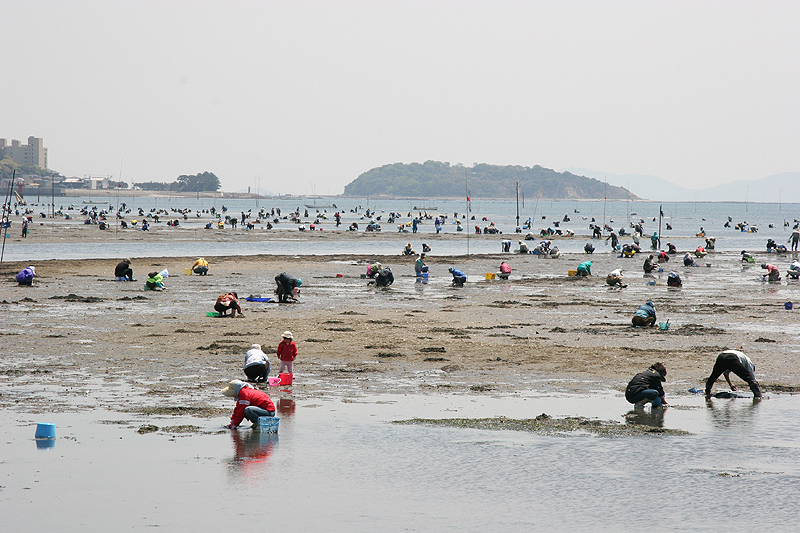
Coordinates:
<point>341,465</point>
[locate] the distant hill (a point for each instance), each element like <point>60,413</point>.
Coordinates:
<point>434,179</point>
<point>776,188</point>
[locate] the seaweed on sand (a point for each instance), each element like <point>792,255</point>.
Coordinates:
<point>545,424</point>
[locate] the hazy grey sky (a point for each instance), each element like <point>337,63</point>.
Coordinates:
<point>308,95</point>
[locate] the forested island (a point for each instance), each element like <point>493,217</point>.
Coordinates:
<point>442,180</point>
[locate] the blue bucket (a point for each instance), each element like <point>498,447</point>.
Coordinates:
<point>788,306</point>
<point>45,430</point>
<point>269,423</point>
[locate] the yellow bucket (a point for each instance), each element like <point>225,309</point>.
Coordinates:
<point>572,272</point>
<point>490,275</point>
<point>187,271</point>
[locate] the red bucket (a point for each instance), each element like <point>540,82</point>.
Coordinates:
<point>286,378</point>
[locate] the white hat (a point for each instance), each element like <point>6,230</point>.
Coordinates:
<point>33,268</point>
<point>287,335</point>
<point>255,347</point>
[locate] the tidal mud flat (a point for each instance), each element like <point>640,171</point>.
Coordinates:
<point>541,330</point>
<point>132,380</point>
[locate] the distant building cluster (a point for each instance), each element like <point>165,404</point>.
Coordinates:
<point>33,154</point>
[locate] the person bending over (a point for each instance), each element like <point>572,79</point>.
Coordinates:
<point>645,315</point>
<point>738,363</point>
<point>228,302</point>
<point>256,364</point>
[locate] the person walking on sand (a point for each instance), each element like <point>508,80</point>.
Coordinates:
<point>794,238</point>
<point>645,315</point>
<point>287,352</point>
<point>228,302</point>
<point>26,275</point>
<point>738,363</point>
<point>256,364</point>
<point>250,403</point>
<point>123,271</point>
<point>646,387</point>
<point>200,267</point>
<point>614,240</point>
<point>24,227</point>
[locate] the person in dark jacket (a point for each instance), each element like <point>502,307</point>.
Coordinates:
<point>645,315</point>
<point>738,363</point>
<point>646,387</point>
<point>286,285</point>
<point>123,271</point>
<point>384,277</point>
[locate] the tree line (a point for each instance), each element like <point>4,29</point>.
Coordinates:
<point>438,179</point>
<point>204,181</point>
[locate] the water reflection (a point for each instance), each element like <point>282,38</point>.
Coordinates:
<point>733,412</point>
<point>251,452</point>
<point>653,418</point>
<point>286,406</point>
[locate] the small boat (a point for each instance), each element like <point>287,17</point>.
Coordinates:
<point>434,208</point>
<point>93,202</point>
<point>315,206</point>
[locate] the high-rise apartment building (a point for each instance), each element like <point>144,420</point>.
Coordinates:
<point>32,154</point>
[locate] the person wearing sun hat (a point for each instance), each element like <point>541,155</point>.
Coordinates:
<point>287,352</point>
<point>250,403</point>
<point>26,275</point>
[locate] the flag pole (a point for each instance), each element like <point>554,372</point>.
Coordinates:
<point>466,215</point>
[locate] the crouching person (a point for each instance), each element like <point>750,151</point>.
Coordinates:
<point>645,315</point>
<point>250,403</point>
<point>646,387</point>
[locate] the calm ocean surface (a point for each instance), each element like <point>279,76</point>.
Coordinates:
<point>686,218</point>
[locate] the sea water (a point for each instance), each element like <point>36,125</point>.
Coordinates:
<point>189,237</point>
<point>342,466</point>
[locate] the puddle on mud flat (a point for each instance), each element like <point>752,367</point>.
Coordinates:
<point>363,473</point>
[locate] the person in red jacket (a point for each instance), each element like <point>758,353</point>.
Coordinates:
<point>250,403</point>
<point>287,351</point>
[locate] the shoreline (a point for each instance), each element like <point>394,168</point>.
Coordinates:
<point>137,193</point>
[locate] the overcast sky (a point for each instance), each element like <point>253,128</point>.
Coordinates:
<point>305,96</point>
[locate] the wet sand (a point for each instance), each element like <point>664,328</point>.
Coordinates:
<point>540,331</point>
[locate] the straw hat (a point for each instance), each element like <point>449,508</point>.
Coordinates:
<point>232,389</point>
<point>287,335</point>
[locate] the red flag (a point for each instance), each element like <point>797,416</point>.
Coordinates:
<point>468,199</point>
